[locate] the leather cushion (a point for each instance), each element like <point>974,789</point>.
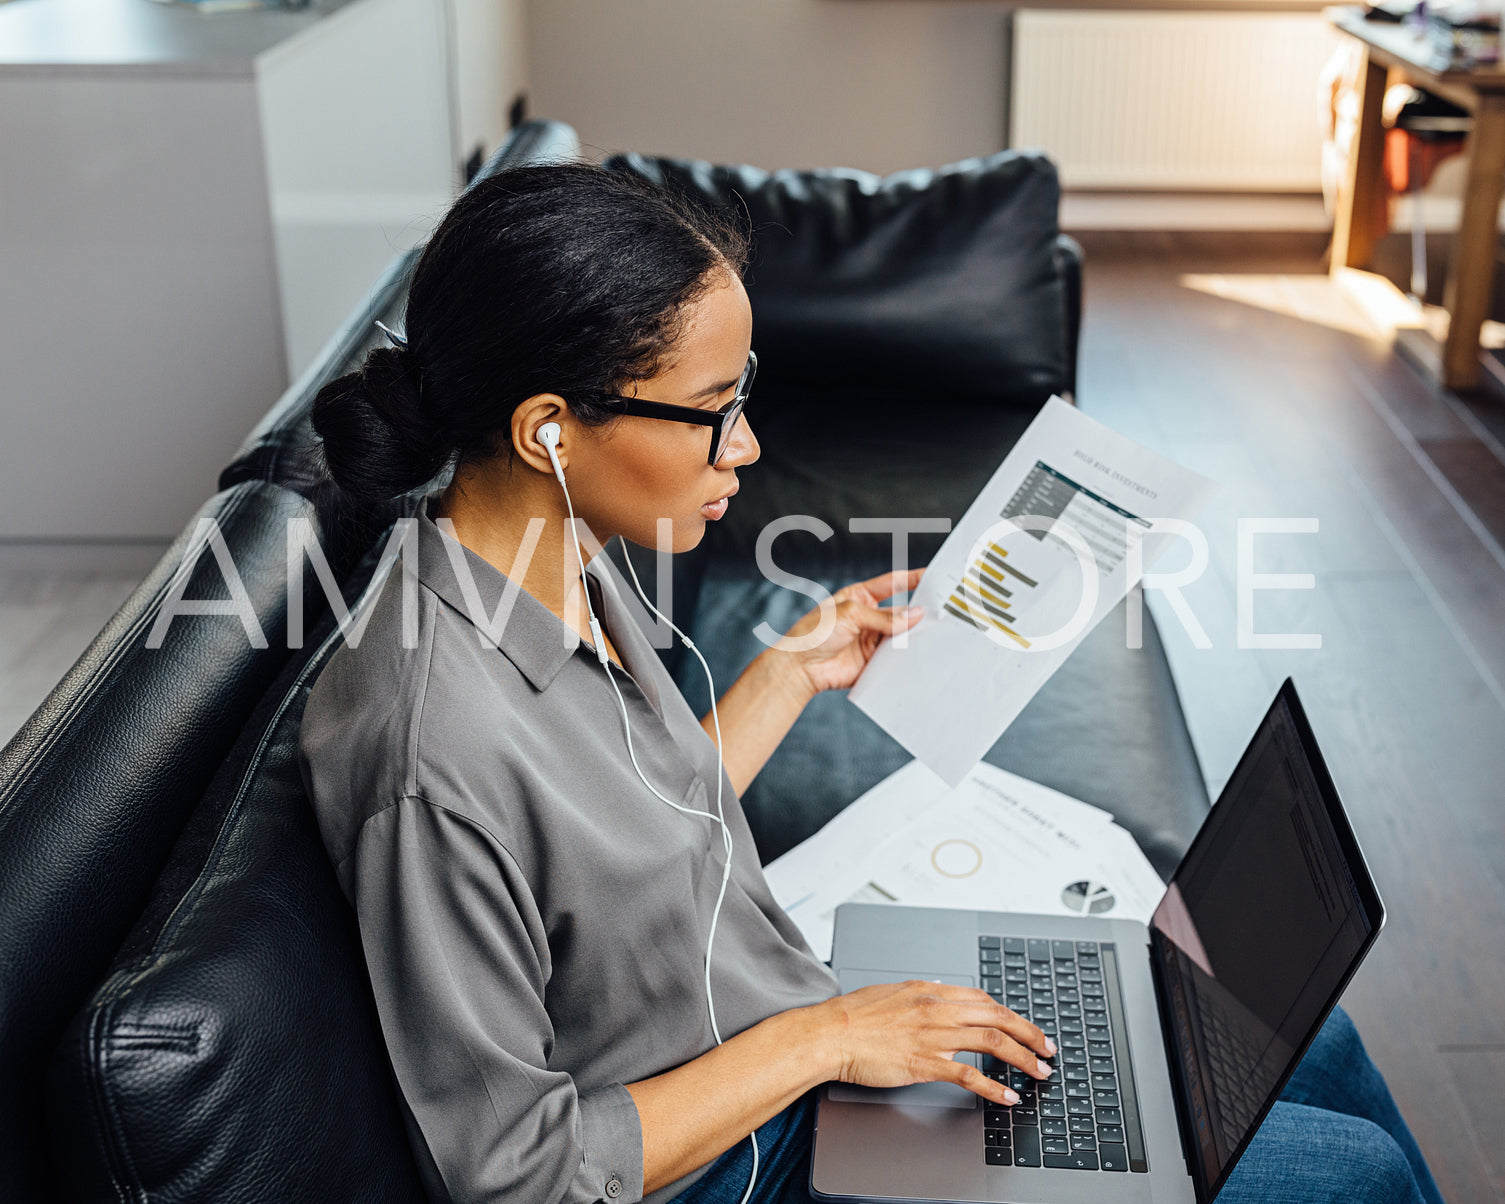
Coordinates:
<point>233,1053</point>
<point>97,783</point>
<point>942,280</point>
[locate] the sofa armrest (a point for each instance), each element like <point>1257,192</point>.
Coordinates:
<point>1068,258</point>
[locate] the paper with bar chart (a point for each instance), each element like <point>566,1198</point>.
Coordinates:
<point>1062,531</point>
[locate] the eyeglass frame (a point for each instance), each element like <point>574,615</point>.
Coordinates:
<point>717,420</point>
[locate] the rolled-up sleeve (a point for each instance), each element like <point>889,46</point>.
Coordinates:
<point>459,958</point>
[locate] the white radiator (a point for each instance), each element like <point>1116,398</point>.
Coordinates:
<point>1172,100</point>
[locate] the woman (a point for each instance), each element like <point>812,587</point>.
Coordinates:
<point>556,954</point>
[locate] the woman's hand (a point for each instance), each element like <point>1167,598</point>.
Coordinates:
<point>836,661</point>
<point>825,650</point>
<point>894,1034</point>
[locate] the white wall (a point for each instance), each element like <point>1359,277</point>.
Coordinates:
<point>491,61</point>
<point>356,125</point>
<point>876,84</point>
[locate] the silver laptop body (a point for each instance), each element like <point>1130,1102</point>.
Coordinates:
<point>1275,855</point>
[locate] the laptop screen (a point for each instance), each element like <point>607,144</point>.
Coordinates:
<point>1261,927</point>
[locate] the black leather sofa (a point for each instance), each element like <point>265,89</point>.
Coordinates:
<point>184,1013</point>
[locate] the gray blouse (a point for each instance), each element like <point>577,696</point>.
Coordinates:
<point>533,919</point>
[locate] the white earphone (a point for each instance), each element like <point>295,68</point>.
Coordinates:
<point>548,434</point>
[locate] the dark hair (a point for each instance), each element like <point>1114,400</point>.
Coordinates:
<point>565,278</point>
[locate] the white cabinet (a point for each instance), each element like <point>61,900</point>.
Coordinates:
<point>189,206</point>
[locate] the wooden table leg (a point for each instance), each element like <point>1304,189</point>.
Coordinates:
<point>1471,274</point>
<point>1355,225</point>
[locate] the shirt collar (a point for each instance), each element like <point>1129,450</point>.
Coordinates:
<point>530,635</point>
<point>630,640</point>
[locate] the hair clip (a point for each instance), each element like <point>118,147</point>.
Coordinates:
<point>400,341</point>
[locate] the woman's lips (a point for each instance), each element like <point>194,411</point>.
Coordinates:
<point>714,510</point>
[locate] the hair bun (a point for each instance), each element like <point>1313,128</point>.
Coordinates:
<point>378,443</point>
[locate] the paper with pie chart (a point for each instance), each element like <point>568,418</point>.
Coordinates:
<point>1063,529</point>
<point>996,842</point>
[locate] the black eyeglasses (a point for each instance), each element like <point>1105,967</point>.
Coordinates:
<point>722,422</point>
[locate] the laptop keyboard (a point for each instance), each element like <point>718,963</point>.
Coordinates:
<point>1233,1056</point>
<point>1086,1115</point>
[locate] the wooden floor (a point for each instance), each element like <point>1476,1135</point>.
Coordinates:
<point>53,601</point>
<point>1251,368</point>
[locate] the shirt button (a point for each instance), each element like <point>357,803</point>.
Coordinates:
<point>613,1187</point>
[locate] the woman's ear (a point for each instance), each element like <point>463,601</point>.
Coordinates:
<point>526,421</point>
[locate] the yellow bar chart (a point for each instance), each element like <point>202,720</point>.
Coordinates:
<point>985,595</point>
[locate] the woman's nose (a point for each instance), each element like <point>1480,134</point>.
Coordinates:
<point>743,447</point>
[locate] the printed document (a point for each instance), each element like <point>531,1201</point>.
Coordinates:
<point>996,842</point>
<point>1062,531</point>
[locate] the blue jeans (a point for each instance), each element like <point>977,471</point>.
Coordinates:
<point>1334,1135</point>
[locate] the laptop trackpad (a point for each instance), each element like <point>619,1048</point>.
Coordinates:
<point>929,1095</point>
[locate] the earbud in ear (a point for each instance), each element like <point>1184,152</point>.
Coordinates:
<point>548,435</point>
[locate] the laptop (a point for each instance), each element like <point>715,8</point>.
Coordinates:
<point>1174,1039</point>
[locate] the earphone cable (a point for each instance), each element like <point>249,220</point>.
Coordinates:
<point>719,817</point>
<point>720,812</point>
